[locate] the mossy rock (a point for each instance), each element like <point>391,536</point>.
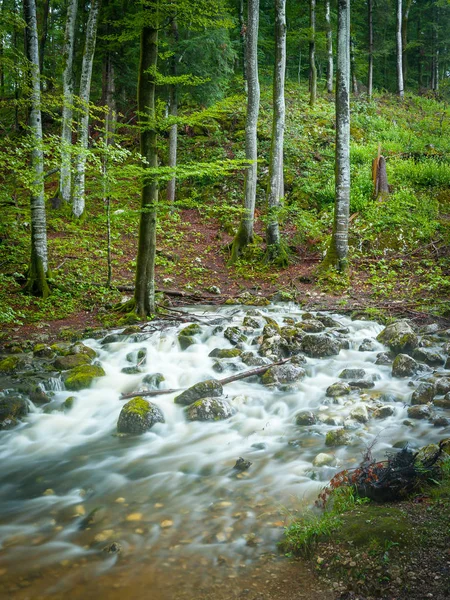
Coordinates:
<point>11,409</point>
<point>311,326</point>
<point>134,370</point>
<point>337,437</point>
<point>80,348</point>
<point>10,364</point>
<point>193,329</point>
<point>61,348</point>
<point>138,416</point>
<point>234,335</point>
<point>185,341</point>
<point>399,337</point>
<point>404,366</point>
<point>320,345</point>
<point>64,363</point>
<point>43,351</point>
<point>340,388</point>
<point>271,326</point>
<point>423,394</point>
<point>283,376</point>
<point>225,353</point>
<point>153,380</point>
<point>305,417</point>
<point>251,322</point>
<point>81,377</point>
<point>204,389</point>
<point>209,409</point>
<point>68,403</point>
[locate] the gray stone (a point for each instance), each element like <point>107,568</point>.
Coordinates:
<point>138,416</point>
<point>399,337</point>
<point>338,389</point>
<point>234,335</point>
<point>419,412</point>
<point>311,326</point>
<point>383,412</point>
<point>442,385</point>
<point>423,394</point>
<point>338,437</point>
<point>204,389</point>
<point>209,409</point>
<point>323,460</point>
<point>443,402</point>
<point>367,346</point>
<point>362,384</point>
<point>404,366</point>
<point>11,409</point>
<point>429,357</point>
<point>320,345</point>
<point>252,322</point>
<point>282,375</point>
<point>327,321</point>
<point>360,414</point>
<point>153,380</point>
<point>352,374</point>
<point>306,417</point>
<point>383,358</point>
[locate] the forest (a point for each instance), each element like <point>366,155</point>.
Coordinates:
<point>224,299</point>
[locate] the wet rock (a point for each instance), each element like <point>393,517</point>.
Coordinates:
<point>185,341</point>
<point>305,417</point>
<point>43,351</point>
<point>153,380</point>
<point>209,409</point>
<point>234,335</point>
<point>426,456</point>
<point>419,412</point>
<point>338,389</point>
<point>383,358</point>
<point>423,394</point>
<point>320,345</point>
<point>311,326</point>
<point>367,346</point>
<point>338,437</point>
<point>259,446</point>
<point>360,414</point>
<point>252,322</point>
<point>298,359</point>
<point>429,357</point>
<point>249,359</point>
<point>137,356</point>
<point>327,321</point>
<point>390,398</point>
<point>430,329</point>
<point>383,412</point>
<point>440,422</point>
<point>274,348</point>
<point>442,402</point>
<point>225,353</point>
<point>112,338</point>
<point>204,389</point>
<point>39,396</point>
<point>138,416</point>
<point>442,385</point>
<point>68,403</point>
<point>134,370</point>
<point>404,366</point>
<point>61,348</point>
<point>11,364</point>
<point>399,337</point>
<point>112,548</point>
<point>80,348</point>
<point>282,375</point>
<point>242,464</point>
<point>11,409</point>
<point>362,384</point>
<point>70,361</point>
<point>352,374</point>
<point>323,460</point>
<point>82,376</point>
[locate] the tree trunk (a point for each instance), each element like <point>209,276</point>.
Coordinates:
<point>173,112</point>
<point>400,90</point>
<point>370,70</point>
<point>244,235</point>
<point>243,32</point>
<point>405,39</point>
<point>338,250</point>
<point>110,127</point>
<point>329,47</point>
<point>353,67</point>
<point>83,121</point>
<point>37,274</point>
<point>43,37</point>
<point>144,294</point>
<point>65,180</point>
<point>312,53</point>
<point>275,251</point>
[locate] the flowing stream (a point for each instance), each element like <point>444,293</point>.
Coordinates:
<point>71,485</point>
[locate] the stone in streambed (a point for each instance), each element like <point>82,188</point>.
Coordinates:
<point>323,460</point>
<point>360,414</point>
<point>338,389</point>
<point>11,409</point>
<point>138,416</point>
<point>82,376</point>
<point>11,364</point>
<point>362,384</point>
<point>209,409</point>
<point>204,389</point>
<point>366,346</point>
<point>338,437</point>
<point>429,357</point>
<point>70,361</point>
<point>242,464</point>
<point>404,366</point>
<point>234,335</point>
<point>320,345</point>
<point>443,402</point>
<point>442,385</point>
<point>383,412</point>
<point>419,412</point>
<point>423,394</point>
<point>153,380</point>
<point>225,353</point>
<point>305,417</point>
<point>352,374</point>
<point>282,376</point>
<point>399,337</point>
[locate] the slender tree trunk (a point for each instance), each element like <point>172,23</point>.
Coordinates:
<point>243,31</point>
<point>275,252</point>
<point>338,250</point>
<point>312,53</point>
<point>420,52</point>
<point>43,37</point>
<point>244,235</point>
<point>173,112</point>
<point>65,180</point>
<point>37,274</point>
<point>370,70</point>
<point>405,21</point>
<point>400,90</point>
<point>110,127</point>
<point>329,47</point>
<point>83,122</point>
<point>144,294</point>
<point>353,67</point>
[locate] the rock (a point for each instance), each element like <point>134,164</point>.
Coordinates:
<point>390,398</point>
<point>383,412</point>
<point>440,422</point>
<point>367,346</point>
<point>139,356</point>
<point>193,329</point>
<point>11,364</point>
<point>134,370</point>
<point>249,359</point>
<point>442,402</point>
<point>399,337</point>
<point>311,326</point>
<point>242,464</point>
<point>153,380</point>
<point>404,366</point>
<point>80,348</point>
<point>138,416</point>
<point>305,417</point>
<point>252,322</point>
<point>360,414</point>
<point>11,409</point>
<point>274,347</point>
<point>320,345</point>
<point>426,455</point>
<point>39,396</point>
<point>338,389</point>
<point>43,351</point>
<point>423,394</point>
<point>419,412</point>
<point>323,460</point>
<point>362,384</point>
<point>112,338</point>
<point>327,321</point>
<point>70,361</point>
<point>234,335</point>
<point>209,409</point>
<point>282,376</point>
<point>338,437</point>
<point>186,340</point>
<point>225,353</point>
<point>383,358</point>
<point>429,357</point>
<point>82,376</point>
<point>68,403</point>
<point>352,374</point>
<point>429,329</point>
<point>112,548</point>
<point>204,389</point>
<point>213,289</point>
<point>442,385</point>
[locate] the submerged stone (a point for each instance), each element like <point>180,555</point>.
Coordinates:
<point>383,358</point>
<point>185,341</point>
<point>338,437</point>
<point>360,414</point>
<point>153,380</point>
<point>242,465</point>
<point>82,376</point>
<point>204,389</point>
<point>305,417</point>
<point>338,389</point>
<point>138,416</point>
<point>362,384</point>
<point>323,460</point>
<point>383,412</point>
<point>209,409</point>
<point>367,346</point>
<point>352,374</point>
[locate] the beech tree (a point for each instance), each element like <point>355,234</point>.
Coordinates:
<point>312,53</point>
<point>244,235</point>
<point>329,47</point>
<point>400,89</point>
<point>370,66</point>
<point>38,269</point>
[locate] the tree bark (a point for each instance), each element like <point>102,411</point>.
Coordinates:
<point>173,112</point>
<point>312,53</point>
<point>43,37</point>
<point>400,90</point>
<point>65,180</point>
<point>37,274</point>
<point>144,294</point>
<point>83,121</point>
<point>244,235</point>
<point>353,67</point>
<point>405,21</point>
<point>243,32</point>
<point>275,252</point>
<point>329,47</point>
<point>338,250</point>
<point>370,69</point>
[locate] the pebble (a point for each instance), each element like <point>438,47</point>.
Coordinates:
<point>166,523</point>
<point>134,517</point>
<point>119,500</point>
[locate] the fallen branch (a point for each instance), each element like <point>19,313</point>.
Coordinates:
<point>244,375</point>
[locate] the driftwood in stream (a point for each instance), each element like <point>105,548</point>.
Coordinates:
<point>244,375</point>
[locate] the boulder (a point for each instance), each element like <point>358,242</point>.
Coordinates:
<point>360,414</point>
<point>204,389</point>
<point>138,356</point>
<point>423,394</point>
<point>320,345</point>
<point>185,341</point>
<point>80,348</point>
<point>367,346</point>
<point>404,366</point>
<point>153,380</point>
<point>43,351</point>
<point>311,326</point>
<point>305,417</point>
<point>399,337</point>
<point>82,376</point>
<point>442,385</point>
<point>440,422</point>
<point>352,374</point>
<point>429,357</point>
<point>209,409</point>
<point>274,347</point>
<point>338,389</point>
<point>383,412</point>
<point>138,416</point>
<point>327,321</point>
<point>383,358</point>
<point>225,353</point>
<point>362,384</point>
<point>282,376</point>
<point>337,437</point>
<point>249,359</point>
<point>11,364</point>
<point>11,409</point>
<point>70,361</point>
<point>234,335</point>
<point>323,460</point>
<point>442,402</point>
<point>252,322</point>
<point>419,412</point>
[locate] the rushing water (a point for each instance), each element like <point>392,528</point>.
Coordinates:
<point>71,486</point>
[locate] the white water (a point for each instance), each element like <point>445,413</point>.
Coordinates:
<point>174,489</point>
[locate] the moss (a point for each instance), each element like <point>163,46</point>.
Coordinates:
<point>82,376</point>
<point>68,402</point>
<point>64,363</point>
<point>138,406</point>
<point>185,341</point>
<point>225,353</point>
<point>375,525</point>
<point>193,329</point>
<point>10,364</point>
<point>338,437</point>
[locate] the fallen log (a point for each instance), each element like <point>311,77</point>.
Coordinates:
<point>243,375</point>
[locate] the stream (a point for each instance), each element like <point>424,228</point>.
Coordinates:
<point>71,486</point>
